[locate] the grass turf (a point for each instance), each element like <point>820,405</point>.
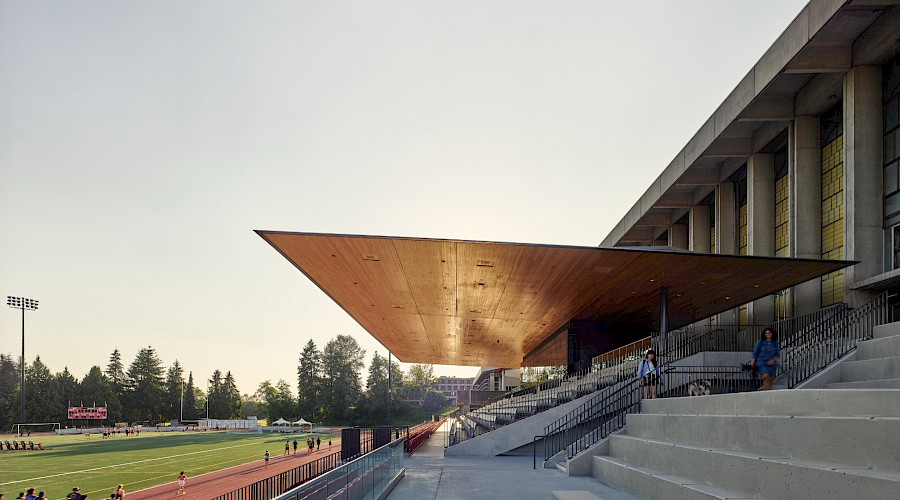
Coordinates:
<point>97,465</point>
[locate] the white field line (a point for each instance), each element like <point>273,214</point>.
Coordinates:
<point>122,465</point>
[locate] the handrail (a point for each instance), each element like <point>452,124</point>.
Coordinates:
<point>676,346</point>
<point>606,412</point>
<point>805,354</point>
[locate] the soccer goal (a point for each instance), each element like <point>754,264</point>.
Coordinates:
<point>36,428</point>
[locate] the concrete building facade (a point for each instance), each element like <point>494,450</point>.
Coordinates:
<point>449,386</point>
<point>801,160</point>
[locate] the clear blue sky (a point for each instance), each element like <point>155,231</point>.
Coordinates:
<point>142,142</point>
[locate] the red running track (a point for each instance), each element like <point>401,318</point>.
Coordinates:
<point>219,482</point>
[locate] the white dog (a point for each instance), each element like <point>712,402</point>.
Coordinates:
<point>700,388</point>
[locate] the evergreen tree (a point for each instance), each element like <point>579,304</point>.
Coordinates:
<point>217,402</point>
<point>309,382</point>
<point>115,372</point>
<point>9,392</point>
<point>174,392</point>
<point>232,397</point>
<point>69,393</point>
<point>342,361</point>
<point>41,394</point>
<point>190,399</point>
<point>145,377</point>
<point>95,387</point>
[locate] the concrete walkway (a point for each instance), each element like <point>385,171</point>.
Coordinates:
<point>431,476</point>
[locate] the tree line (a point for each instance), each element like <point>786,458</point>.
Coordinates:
<point>330,389</point>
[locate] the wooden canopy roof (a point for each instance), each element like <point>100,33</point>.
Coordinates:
<point>478,303</point>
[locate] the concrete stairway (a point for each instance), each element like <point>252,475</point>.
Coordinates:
<point>877,362</point>
<point>798,444</point>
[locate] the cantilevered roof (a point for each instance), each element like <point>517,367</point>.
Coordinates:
<point>482,303</point>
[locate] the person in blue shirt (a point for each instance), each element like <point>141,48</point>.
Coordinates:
<point>765,357</point>
<point>648,374</point>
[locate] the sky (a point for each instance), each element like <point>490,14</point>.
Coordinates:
<point>141,143</point>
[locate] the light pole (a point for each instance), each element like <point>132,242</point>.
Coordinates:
<point>30,305</point>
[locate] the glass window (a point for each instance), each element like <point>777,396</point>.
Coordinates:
<point>896,245</point>
<point>892,204</point>
<point>890,114</point>
<point>890,178</point>
<point>889,151</point>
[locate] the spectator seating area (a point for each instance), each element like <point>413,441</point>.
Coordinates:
<point>419,433</point>
<point>525,403</point>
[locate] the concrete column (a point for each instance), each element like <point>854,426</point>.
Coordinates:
<point>725,219</point>
<point>726,243</point>
<point>761,225</point>
<point>678,236</point>
<point>863,184</point>
<point>698,240</point>
<point>806,198</point>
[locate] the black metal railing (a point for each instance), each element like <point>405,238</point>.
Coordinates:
<point>812,349</point>
<point>606,412</point>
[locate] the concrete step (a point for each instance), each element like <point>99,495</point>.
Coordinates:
<point>887,383</point>
<point>888,330</point>
<point>563,467</point>
<point>823,402</point>
<point>761,476</point>
<point>886,347</point>
<point>573,495</point>
<point>870,369</point>
<point>653,484</point>
<point>827,439</point>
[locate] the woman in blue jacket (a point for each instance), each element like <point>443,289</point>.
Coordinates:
<point>648,374</point>
<point>765,357</point>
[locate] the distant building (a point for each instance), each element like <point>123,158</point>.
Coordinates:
<point>449,385</point>
<point>497,379</point>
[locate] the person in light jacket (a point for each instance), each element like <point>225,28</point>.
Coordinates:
<point>648,374</point>
<point>765,357</point>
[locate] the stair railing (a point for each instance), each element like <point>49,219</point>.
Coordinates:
<point>813,349</point>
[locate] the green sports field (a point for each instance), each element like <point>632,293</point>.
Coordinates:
<point>97,465</point>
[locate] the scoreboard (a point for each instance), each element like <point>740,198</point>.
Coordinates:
<point>95,412</point>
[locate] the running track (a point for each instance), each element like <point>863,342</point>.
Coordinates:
<point>215,483</point>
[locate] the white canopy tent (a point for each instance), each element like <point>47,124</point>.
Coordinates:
<point>303,422</point>
<point>280,421</point>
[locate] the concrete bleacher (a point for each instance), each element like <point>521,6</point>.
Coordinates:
<point>876,364</point>
<point>840,441</point>
<point>797,444</point>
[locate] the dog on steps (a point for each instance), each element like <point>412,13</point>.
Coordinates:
<point>700,387</point>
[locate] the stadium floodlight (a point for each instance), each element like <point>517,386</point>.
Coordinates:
<point>25,305</point>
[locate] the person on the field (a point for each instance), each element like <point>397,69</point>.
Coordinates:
<point>119,494</point>
<point>267,458</point>
<point>295,446</point>
<point>75,495</point>
<point>29,494</point>
<point>318,443</point>
<point>287,448</point>
<point>329,443</point>
<point>181,480</point>
<point>39,497</point>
